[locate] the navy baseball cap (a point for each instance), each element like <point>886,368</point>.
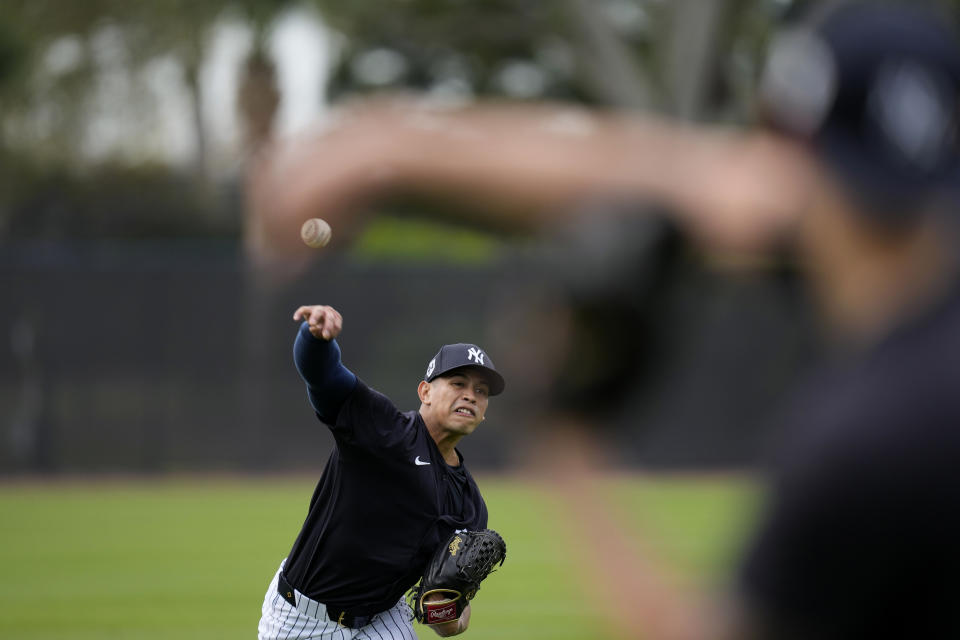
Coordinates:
<point>874,87</point>
<point>456,356</point>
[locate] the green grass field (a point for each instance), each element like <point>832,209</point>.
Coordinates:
<point>191,558</point>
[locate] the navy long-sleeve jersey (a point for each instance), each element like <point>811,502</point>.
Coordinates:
<point>386,498</point>
<point>860,538</point>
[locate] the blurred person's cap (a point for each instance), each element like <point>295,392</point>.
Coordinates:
<point>457,356</point>
<point>875,89</point>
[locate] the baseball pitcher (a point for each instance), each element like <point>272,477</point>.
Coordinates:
<point>395,502</point>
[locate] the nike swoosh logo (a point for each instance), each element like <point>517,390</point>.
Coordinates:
<point>419,462</point>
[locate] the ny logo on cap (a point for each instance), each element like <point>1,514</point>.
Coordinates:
<point>914,110</point>
<point>475,354</point>
<point>430,367</point>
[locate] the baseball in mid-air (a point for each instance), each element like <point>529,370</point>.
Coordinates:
<point>315,233</point>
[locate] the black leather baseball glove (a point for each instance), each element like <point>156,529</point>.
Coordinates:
<point>455,572</point>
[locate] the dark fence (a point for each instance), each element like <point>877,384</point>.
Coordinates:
<point>172,357</point>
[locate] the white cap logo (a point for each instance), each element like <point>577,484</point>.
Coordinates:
<point>431,366</point>
<point>475,354</point>
<point>909,103</point>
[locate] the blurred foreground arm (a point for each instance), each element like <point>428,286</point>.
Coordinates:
<point>524,165</point>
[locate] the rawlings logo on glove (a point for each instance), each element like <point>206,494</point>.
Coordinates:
<point>438,612</point>
<point>454,574</point>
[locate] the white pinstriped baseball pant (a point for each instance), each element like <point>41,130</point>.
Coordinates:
<point>308,620</point>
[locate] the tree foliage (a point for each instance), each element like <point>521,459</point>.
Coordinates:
<point>651,54</point>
